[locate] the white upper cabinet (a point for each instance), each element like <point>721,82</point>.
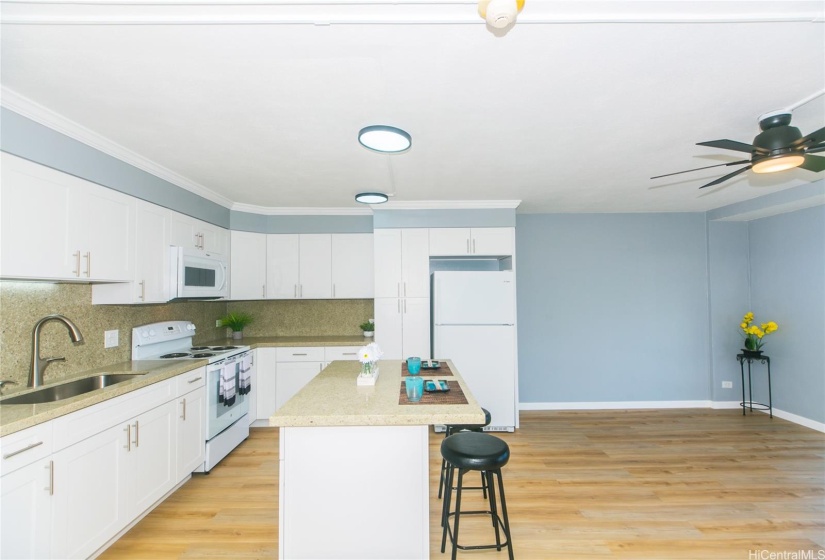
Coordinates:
<point>150,281</point>
<point>299,266</point>
<point>282,266</point>
<point>451,242</point>
<point>196,234</point>
<point>402,263</point>
<point>352,265</point>
<point>248,265</point>
<point>56,226</point>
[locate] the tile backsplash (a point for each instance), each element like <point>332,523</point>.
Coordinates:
<point>23,303</point>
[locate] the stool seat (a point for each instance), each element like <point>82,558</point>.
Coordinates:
<point>475,451</point>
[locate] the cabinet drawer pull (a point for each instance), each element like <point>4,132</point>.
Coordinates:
<point>349,353</point>
<point>19,451</point>
<point>195,380</point>
<point>128,431</point>
<point>302,354</point>
<point>51,478</point>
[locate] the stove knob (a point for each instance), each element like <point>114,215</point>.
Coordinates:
<point>152,332</point>
<point>144,334</point>
<point>190,327</point>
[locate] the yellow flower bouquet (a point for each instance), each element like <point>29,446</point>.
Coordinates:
<point>755,333</point>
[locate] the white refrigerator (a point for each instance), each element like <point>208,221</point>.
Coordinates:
<point>474,325</point>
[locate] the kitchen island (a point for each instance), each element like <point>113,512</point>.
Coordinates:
<point>354,465</point>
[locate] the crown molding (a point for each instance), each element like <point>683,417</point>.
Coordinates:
<point>40,114</point>
<point>447,205</point>
<point>299,210</point>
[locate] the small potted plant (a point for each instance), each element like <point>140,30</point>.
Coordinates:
<point>368,328</point>
<point>236,322</point>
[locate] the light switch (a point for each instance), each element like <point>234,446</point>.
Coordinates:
<point>110,339</point>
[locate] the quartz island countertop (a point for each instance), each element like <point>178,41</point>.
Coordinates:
<point>332,398</point>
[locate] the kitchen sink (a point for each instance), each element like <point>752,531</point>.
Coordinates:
<point>70,388</point>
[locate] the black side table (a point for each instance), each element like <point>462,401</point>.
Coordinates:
<point>750,358</point>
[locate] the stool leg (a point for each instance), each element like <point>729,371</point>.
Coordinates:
<point>441,480</point>
<point>504,511</point>
<point>457,512</point>
<point>445,506</point>
<point>493,511</point>
<point>484,485</point>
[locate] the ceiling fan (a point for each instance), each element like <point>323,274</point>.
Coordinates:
<point>778,147</point>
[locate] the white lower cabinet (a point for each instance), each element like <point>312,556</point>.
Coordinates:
<point>70,485</point>
<point>25,511</point>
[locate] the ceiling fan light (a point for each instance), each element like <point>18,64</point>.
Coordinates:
<point>371,198</point>
<point>385,139</point>
<point>779,163</point>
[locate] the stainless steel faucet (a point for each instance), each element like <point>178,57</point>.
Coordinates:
<point>39,365</point>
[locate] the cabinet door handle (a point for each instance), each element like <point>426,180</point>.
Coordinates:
<point>88,257</point>
<point>301,289</point>
<point>19,451</point>
<point>333,290</point>
<point>468,246</point>
<point>399,289</point>
<point>137,433</point>
<point>474,246</point>
<point>142,295</point>
<point>51,478</point>
<point>193,380</point>
<point>184,409</point>
<point>128,431</point>
<point>399,305</point>
<point>405,289</point>
<point>76,271</point>
<point>405,306</point>
<point>295,291</point>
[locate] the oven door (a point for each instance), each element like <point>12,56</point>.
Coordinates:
<point>198,274</point>
<point>226,403</point>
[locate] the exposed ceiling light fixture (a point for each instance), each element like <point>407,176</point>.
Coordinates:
<point>371,198</point>
<point>778,163</point>
<point>499,13</point>
<point>385,139</point>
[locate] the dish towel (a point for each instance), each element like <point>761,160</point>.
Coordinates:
<point>229,386</point>
<point>246,375</point>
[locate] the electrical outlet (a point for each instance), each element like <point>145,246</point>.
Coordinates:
<point>110,339</point>
<point>727,384</point>
<point>217,322</point>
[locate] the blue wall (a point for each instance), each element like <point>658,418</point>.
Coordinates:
<point>612,307</point>
<point>787,255</point>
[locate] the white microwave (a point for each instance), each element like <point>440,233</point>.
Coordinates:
<point>198,274</point>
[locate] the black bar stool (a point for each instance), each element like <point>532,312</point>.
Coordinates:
<point>454,429</point>
<point>473,451</point>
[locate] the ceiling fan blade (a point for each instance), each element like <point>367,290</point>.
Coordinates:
<point>815,149</point>
<point>726,177</point>
<point>813,163</point>
<point>815,137</point>
<point>728,145</point>
<point>699,168</point>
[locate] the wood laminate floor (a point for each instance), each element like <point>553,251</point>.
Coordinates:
<point>686,484</point>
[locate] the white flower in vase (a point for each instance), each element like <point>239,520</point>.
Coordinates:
<point>369,356</point>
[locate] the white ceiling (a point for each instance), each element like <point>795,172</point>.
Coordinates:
<point>573,109</point>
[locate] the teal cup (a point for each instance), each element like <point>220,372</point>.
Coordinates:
<point>414,365</point>
<point>415,388</point>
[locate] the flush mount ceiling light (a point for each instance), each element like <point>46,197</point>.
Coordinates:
<point>385,139</point>
<point>499,13</point>
<point>371,198</point>
<point>778,163</point>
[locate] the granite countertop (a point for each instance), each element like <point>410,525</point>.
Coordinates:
<point>276,341</point>
<point>16,417</point>
<point>332,398</point>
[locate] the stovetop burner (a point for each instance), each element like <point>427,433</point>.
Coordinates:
<point>203,355</point>
<point>196,348</point>
<point>175,355</point>
<point>223,347</point>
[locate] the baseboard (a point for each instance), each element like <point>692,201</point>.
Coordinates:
<point>638,405</point>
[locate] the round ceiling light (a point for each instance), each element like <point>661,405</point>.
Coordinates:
<point>778,163</point>
<point>499,13</point>
<point>385,139</point>
<point>371,198</point>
